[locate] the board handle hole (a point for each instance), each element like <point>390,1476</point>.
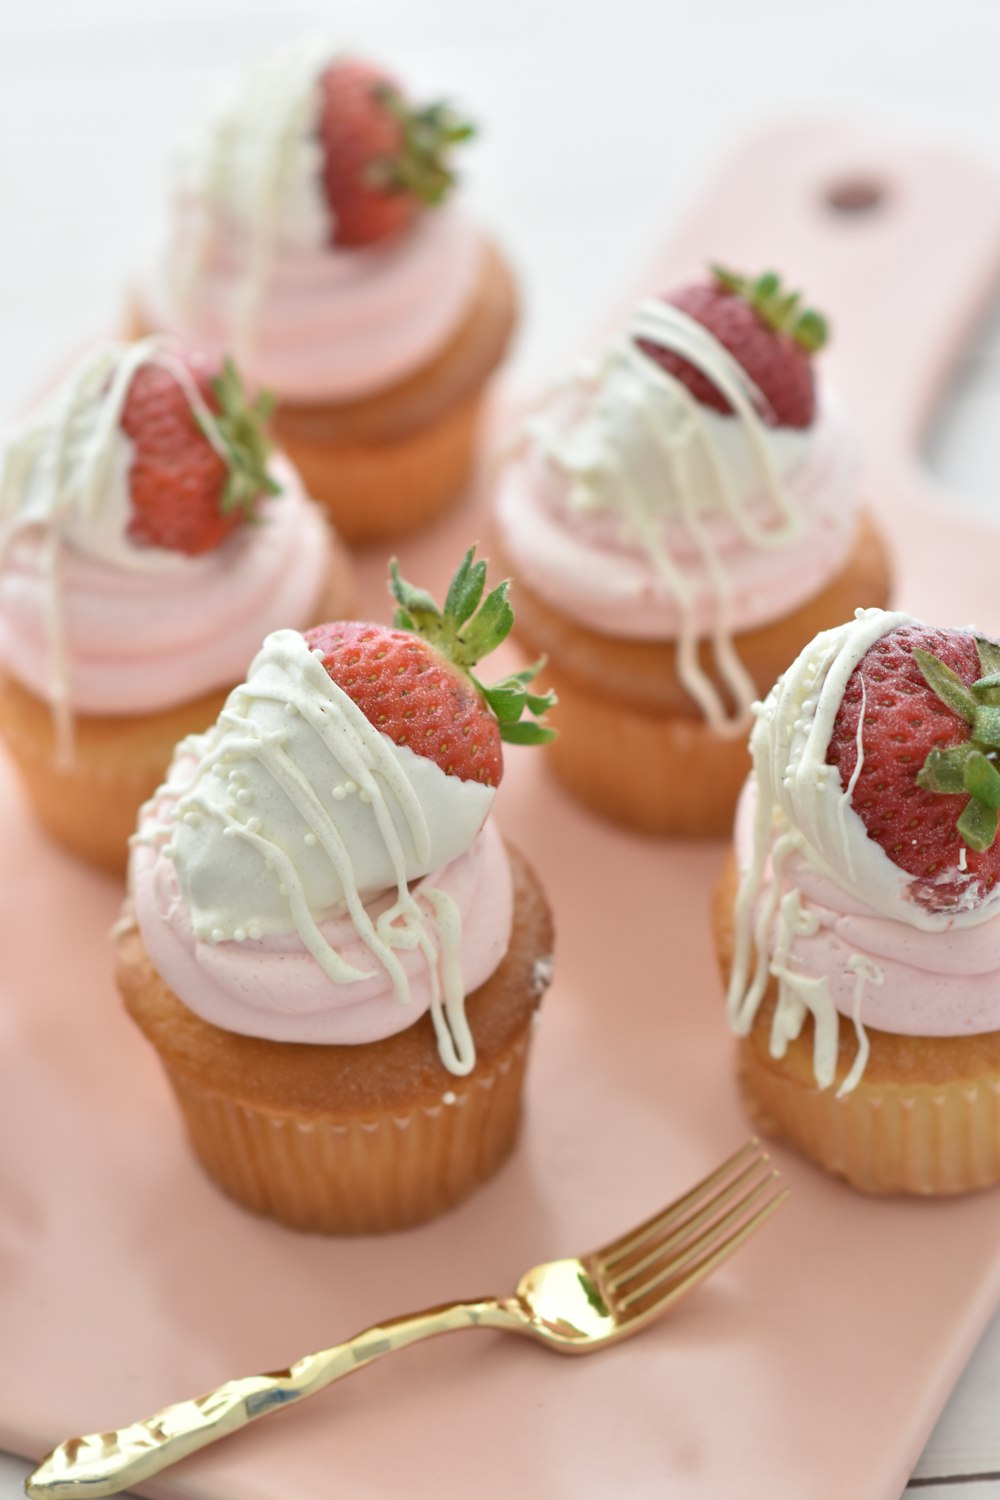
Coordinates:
<point>855,195</point>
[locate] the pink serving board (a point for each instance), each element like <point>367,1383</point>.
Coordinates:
<point>812,1366</point>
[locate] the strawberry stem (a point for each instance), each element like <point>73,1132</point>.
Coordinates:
<point>469,628</point>
<point>428,135</point>
<point>968,767</point>
<point>779,309</point>
<point>238,433</point>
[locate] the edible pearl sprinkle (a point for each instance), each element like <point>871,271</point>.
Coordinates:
<point>309,839</point>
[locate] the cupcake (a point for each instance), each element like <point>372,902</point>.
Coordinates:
<point>335,955</point>
<point>315,234</point>
<point>682,516</point>
<point>858,924</point>
<point>147,538</point>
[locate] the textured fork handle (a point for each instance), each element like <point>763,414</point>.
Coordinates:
<point>106,1462</point>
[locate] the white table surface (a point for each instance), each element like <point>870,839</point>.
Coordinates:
<point>601,117</point>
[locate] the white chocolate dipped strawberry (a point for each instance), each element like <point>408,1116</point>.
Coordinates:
<point>691,484</point>
<point>311,231</point>
<point>129,578</point>
<point>335,820</point>
<point>867,843</point>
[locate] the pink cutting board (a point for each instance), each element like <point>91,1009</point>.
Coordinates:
<point>814,1364</point>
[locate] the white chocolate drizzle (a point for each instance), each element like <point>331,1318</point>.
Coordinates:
<point>645,448</point>
<point>261,842</point>
<point>802,808</point>
<point>256,169</point>
<point>64,472</point>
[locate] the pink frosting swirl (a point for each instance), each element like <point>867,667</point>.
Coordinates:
<point>589,565</point>
<point>317,324</point>
<point>146,639</point>
<point>274,988</point>
<point>944,983</point>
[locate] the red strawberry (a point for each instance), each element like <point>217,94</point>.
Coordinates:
<point>414,682</point>
<point>187,496</point>
<point>928,789</point>
<point>765,330</point>
<point>384,161</point>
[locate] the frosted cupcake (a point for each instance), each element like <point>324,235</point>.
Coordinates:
<point>336,956</point>
<point>147,536</point>
<point>682,516</point>
<point>314,233</point>
<point>858,925</point>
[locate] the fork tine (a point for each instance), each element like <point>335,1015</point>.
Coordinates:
<point>691,1255</point>
<point>676,1290</point>
<point>627,1243</point>
<point>749,1177</point>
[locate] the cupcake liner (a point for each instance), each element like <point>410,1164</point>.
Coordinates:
<point>90,806</point>
<point>374,490</point>
<point>648,770</point>
<point>886,1137</point>
<point>359,1175</point>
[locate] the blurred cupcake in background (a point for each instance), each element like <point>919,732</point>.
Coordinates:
<point>682,516</point>
<point>314,232</point>
<point>148,536</point>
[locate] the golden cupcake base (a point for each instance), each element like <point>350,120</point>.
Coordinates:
<point>352,1140</point>
<point>924,1119</point>
<point>631,744</point>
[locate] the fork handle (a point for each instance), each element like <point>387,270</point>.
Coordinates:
<point>104,1463</point>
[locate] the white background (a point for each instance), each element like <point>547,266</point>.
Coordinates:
<point>600,117</point>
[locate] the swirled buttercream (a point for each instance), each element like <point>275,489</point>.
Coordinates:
<point>249,266</point>
<point>633,509</point>
<point>821,908</point>
<point>91,622</point>
<point>301,877</point>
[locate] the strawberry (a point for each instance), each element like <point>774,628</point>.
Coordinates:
<point>195,474</point>
<point>384,160</point>
<point>928,789</point>
<point>765,330</point>
<point>414,681</point>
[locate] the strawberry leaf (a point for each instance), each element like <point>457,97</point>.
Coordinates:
<point>527,732</point>
<point>776,307</point>
<point>420,166</point>
<point>486,629</point>
<point>944,770</point>
<point>982,780</point>
<point>417,610</point>
<point>989,657</point>
<point>986,726</point>
<point>466,589</point>
<point>507,700</point>
<point>978,825</point>
<point>811,330</point>
<point>946,684</point>
<point>236,430</point>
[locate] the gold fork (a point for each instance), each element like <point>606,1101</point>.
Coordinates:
<point>574,1306</point>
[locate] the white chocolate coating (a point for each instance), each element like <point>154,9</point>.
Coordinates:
<point>294,813</point>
